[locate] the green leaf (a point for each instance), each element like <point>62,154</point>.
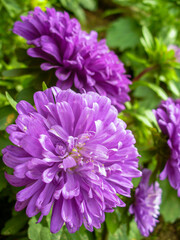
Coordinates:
<point>89,4</point>
<point>44,86</point>
<point>79,235</point>
<point>134,233</point>
<point>112,222</point>
<point>123,33</point>
<point>11,100</point>
<point>142,119</point>
<point>45,233</point>
<point>12,7</point>
<point>173,88</point>
<point>17,72</point>
<point>135,58</point>
<point>15,224</point>
<point>158,90</point>
<point>7,116</point>
<point>26,94</point>
<point>3,181</point>
<point>147,41</point>
<point>34,229</point>
<point>37,231</point>
<point>169,208</point>
<point>120,234</point>
<point>4,142</point>
<point>74,7</point>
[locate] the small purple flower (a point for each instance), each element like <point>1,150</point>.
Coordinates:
<point>71,153</point>
<point>81,62</point>
<point>176,50</point>
<point>146,204</point>
<point>168,118</point>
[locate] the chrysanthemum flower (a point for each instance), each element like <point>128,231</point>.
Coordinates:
<point>81,62</point>
<point>146,204</point>
<point>72,153</point>
<point>168,118</point>
<point>176,50</point>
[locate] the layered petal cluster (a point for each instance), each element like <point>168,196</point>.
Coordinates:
<point>176,50</point>
<point>72,153</point>
<point>146,204</point>
<point>79,60</point>
<point>168,118</point>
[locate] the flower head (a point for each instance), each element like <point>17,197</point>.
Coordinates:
<point>176,50</point>
<point>146,204</point>
<point>168,118</point>
<point>80,60</point>
<point>72,153</point>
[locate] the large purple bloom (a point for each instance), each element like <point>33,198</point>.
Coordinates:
<point>146,204</point>
<point>80,60</point>
<point>72,153</point>
<point>168,118</point>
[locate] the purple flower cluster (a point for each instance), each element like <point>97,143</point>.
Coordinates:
<point>71,153</point>
<point>168,118</point>
<point>146,204</point>
<point>81,62</point>
<point>176,50</point>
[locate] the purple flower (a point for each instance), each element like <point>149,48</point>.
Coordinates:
<point>146,204</point>
<point>72,153</point>
<point>81,62</point>
<point>168,118</point>
<point>176,50</point>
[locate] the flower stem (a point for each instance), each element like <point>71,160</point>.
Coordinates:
<point>146,70</point>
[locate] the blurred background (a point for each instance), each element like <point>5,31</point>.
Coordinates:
<point>140,32</point>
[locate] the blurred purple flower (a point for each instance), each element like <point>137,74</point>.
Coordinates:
<point>168,118</point>
<point>146,204</point>
<point>72,153</point>
<point>81,62</point>
<point>176,50</point>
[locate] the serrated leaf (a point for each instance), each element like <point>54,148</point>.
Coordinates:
<point>13,225</point>
<point>79,235</point>
<point>34,229</point>
<point>45,233</point>
<point>11,100</point>
<point>123,33</point>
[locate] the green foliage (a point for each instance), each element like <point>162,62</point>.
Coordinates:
<point>123,33</point>
<point>139,31</point>
<point>11,100</point>
<point>37,231</point>
<point>15,224</point>
<point>170,203</point>
<point>76,7</point>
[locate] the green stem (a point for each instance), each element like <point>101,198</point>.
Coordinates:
<point>146,70</point>
<point>105,232</point>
